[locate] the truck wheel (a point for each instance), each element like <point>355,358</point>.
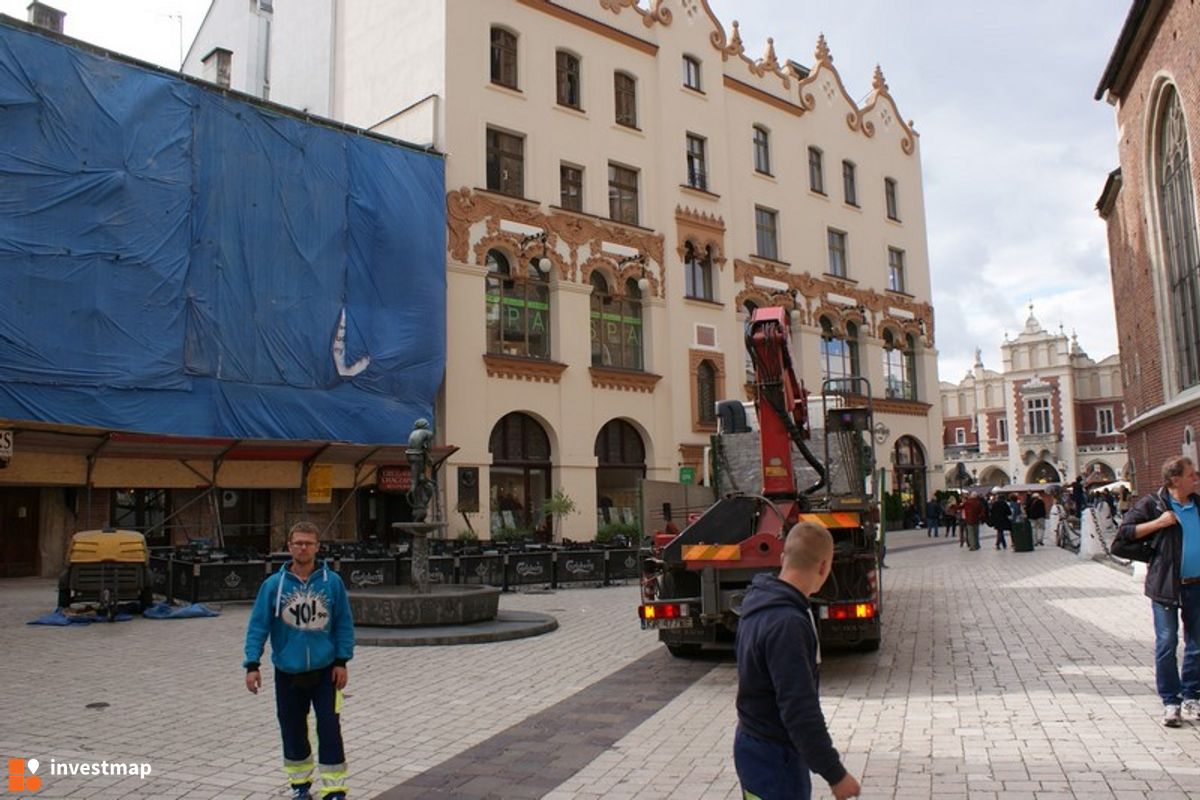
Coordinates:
<point>684,650</point>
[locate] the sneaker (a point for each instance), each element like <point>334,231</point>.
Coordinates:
<point>1191,710</point>
<point>302,792</point>
<point>1171,715</point>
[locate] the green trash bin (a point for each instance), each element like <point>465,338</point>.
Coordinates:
<point>1022,537</point>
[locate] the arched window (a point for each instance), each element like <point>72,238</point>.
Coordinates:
<point>839,355</point>
<point>706,393</point>
<point>620,464</point>
<point>698,277</point>
<point>899,366</point>
<point>504,58</point>
<point>616,325</point>
<point>567,79</point>
<point>518,309</point>
<point>909,469</point>
<point>1180,255</point>
<point>520,473</point>
<point>625,97</point>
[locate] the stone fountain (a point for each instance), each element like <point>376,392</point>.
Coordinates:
<point>423,613</point>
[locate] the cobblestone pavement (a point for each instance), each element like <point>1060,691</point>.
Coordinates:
<point>1002,675</point>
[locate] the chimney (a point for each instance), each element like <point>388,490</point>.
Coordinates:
<point>43,16</point>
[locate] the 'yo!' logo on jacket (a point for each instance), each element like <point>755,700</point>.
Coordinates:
<point>305,610</point>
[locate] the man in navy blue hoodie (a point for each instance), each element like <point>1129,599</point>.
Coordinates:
<point>781,734</point>
<point>305,611</point>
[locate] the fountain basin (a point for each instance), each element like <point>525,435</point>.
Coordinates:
<point>402,607</point>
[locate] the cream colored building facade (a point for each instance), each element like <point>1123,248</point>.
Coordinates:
<point>663,176</point>
<point>1050,414</point>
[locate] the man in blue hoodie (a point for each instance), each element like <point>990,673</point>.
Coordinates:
<point>781,734</point>
<point>305,611</point>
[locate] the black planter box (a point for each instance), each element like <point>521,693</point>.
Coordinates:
<point>579,566</point>
<point>487,570</point>
<point>624,565</point>
<point>529,569</point>
<point>363,573</point>
<point>160,575</point>
<point>216,581</point>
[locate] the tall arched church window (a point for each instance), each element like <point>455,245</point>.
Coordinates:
<point>616,325</point>
<point>517,308</point>
<point>1179,246</point>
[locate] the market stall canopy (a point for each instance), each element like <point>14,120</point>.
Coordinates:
<point>1018,488</point>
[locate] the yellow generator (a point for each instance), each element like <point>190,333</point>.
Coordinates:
<point>107,567</point>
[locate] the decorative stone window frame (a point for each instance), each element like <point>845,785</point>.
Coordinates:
<point>717,359</point>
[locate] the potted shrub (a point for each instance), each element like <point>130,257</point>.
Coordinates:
<point>556,507</point>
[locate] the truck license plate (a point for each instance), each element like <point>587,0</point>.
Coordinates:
<point>680,622</point>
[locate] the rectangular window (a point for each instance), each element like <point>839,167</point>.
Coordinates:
<point>816,171</point>
<point>1001,430</point>
<point>625,94</point>
<point>762,150</point>
<point>1104,422</point>
<point>505,163</point>
<point>766,238</point>
<point>504,58</point>
<point>622,194</point>
<point>895,269</point>
<point>570,181</point>
<point>567,79</point>
<point>837,253</point>
<point>889,194</point>
<point>849,187</point>
<point>1037,416</point>
<point>960,436</point>
<point>697,167</point>
<point>691,73</point>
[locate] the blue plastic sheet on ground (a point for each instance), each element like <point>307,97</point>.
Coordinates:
<point>58,618</point>
<point>168,611</point>
<point>176,260</point>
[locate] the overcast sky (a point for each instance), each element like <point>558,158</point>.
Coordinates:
<point>1015,150</point>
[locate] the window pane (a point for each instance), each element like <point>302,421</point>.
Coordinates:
<point>848,183</point>
<point>706,393</point>
<point>837,253</point>
<point>895,269</point>
<point>762,151</point>
<point>691,73</point>
<point>622,194</point>
<point>504,58</point>
<point>625,92</point>
<point>816,171</point>
<point>766,241</point>
<point>505,163</point>
<point>889,190</point>
<point>697,167</point>
<point>570,187</point>
<point>567,79</point>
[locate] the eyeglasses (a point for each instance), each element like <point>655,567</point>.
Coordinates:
<point>302,544</point>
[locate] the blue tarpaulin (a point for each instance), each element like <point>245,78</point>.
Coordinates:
<point>177,260</point>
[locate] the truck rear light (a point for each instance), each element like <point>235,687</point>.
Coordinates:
<point>842,611</point>
<point>662,610</point>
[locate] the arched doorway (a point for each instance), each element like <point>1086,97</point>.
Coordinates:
<point>993,476</point>
<point>620,464</point>
<point>1043,472</point>
<point>909,458</point>
<point>519,476</point>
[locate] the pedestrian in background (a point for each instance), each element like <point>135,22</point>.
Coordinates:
<point>933,517</point>
<point>1035,511</point>
<point>973,513</point>
<point>1173,584</point>
<point>781,733</point>
<point>1000,517</point>
<point>306,613</point>
<point>952,518</point>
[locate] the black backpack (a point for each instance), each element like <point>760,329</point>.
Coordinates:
<point>1125,546</point>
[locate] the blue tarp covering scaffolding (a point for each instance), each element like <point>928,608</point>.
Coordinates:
<point>177,260</point>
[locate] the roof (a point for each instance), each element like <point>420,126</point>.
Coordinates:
<point>1135,34</point>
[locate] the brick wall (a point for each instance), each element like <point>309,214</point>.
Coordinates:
<point>1171,52</point>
